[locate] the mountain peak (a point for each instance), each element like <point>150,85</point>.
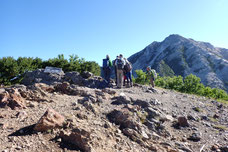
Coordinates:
<point>175,37</point>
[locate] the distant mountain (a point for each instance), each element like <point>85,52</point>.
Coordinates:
<point>177,55</point>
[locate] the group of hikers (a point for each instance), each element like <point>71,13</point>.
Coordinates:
<point>123,71</point>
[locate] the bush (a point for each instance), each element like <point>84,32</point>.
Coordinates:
<point>141,77</point>
<point>8,69</point>
<point>191,84</point>
<point>160,81</point>
<point>175,83</point>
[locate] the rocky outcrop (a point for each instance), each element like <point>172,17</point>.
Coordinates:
<point>39,76</point>
<point>85,79</point>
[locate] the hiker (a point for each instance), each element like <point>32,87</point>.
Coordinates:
<point>115,69</point>
<point>151,74</point>
<point>128,71</point>
<point>107,64</point>
<point>119,70</point>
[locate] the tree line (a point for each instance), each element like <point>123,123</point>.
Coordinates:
<point>190,84</point>
<point>10,67</point>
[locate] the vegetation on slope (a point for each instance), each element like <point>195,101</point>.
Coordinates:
<point>190,84</point>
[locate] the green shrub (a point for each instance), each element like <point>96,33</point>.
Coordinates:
<point>191,84</point>
<point>141,77</point>
<point>160,82</point>
<point>175,83</point>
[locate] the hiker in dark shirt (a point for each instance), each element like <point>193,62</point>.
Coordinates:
<point>120,66</point>
<point>115,69</point>
<point>107,64</point>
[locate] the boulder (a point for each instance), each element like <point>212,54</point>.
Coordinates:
<point>12,99</point>
<point>74,77</point>
<point>125,119</point>
<point>86,74</point>
<point>40,76</point>
<point>96,82</point>
<point>50,120</point>
<point>183,122</point>
<point>121,99</point>
<point>78,137</point>
<point>63,88</point>
<point>141,103</point>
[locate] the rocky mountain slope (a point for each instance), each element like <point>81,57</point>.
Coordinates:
<point>177,55</point>
<point>67,112</point>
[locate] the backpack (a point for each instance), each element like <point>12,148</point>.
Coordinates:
<point>128,66</point>
<point>155,73</point>
<point>105,63</point>
<point>120,64</point>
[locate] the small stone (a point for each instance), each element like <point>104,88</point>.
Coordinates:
<point>3,125</point>
<point>195,137</point>
<point>18,148</point>
<point>107,125</point>
<point>195,129</point>
<point>59,140</point>
<point>190,117</point>
<point>51,100</point>
<point>32,104</point>
<point>215,147</point>
<point>154,102</point>
<point>183,122</point>
<point>144,135</point>
<point>216,116</point>
<point>197,109</point>
<point>205,118</point>
<point>74,104</point>
<point>21,115</point>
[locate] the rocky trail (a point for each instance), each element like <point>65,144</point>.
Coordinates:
<point>72,113</point>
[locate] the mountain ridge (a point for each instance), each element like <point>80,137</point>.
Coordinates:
<point>185,56</point>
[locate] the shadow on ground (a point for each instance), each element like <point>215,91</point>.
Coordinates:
<point>28,130</point>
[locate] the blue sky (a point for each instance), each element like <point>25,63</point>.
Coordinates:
<point>93,28</point>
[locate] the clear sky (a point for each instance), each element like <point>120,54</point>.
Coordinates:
<point>93,28</point>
